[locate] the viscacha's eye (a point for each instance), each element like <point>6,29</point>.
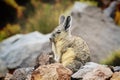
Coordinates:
<point>58,32</point>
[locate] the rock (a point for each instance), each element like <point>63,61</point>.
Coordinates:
<point>22,50</point>
<point>116,76</point>
<point>3,69</point>
<point>78,9</point>
<point>44,59</point>
<point>8,76</point>
<point>84,70</point>
<point>116,68</point>
<point>93,71</point>
<point>22,74</point>
<point>51,72</point>
<point>98,30</point>
<point>110,9</point>
<point>99,73</point>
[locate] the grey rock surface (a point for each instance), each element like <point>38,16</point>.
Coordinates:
<point>98,30</point>
<point>85,69</point>
<point>3,68</point>
<point>93,71</point>
<point>22,50</point>
<point>108,11</point>
<point>22,74</point>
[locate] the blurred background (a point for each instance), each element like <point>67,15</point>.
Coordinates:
<point>96,21</point>
<point>24,16</point>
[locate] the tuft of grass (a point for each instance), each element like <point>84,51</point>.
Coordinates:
<point>9,30</point>
<point>90,2</point>
<point>113,59</point>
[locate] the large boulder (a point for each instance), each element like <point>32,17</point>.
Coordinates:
<point>22,50</point>
<point>54,71</point>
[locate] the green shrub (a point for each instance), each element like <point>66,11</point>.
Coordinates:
<point>9,30</point>
<point>113,59</point>
<point>90,2</point>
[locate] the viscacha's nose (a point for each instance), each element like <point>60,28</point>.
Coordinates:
<point>53,35</point>
<point>50,39</point>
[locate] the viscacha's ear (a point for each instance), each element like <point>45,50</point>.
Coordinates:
<point>67,23</point>
<point>61,19</point>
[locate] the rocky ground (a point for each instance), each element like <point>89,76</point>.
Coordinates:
<point>56,71</point>
<point>21,51</point>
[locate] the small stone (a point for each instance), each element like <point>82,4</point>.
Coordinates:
<point>22,74</point>
<point>116,76</point>
<point>44,59</point>
<point>116,69</point>
<point>88,67</point>
<point>93,71</point>
<point>99,73</point>
<point>54,71</point>
<point>8,76</point>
